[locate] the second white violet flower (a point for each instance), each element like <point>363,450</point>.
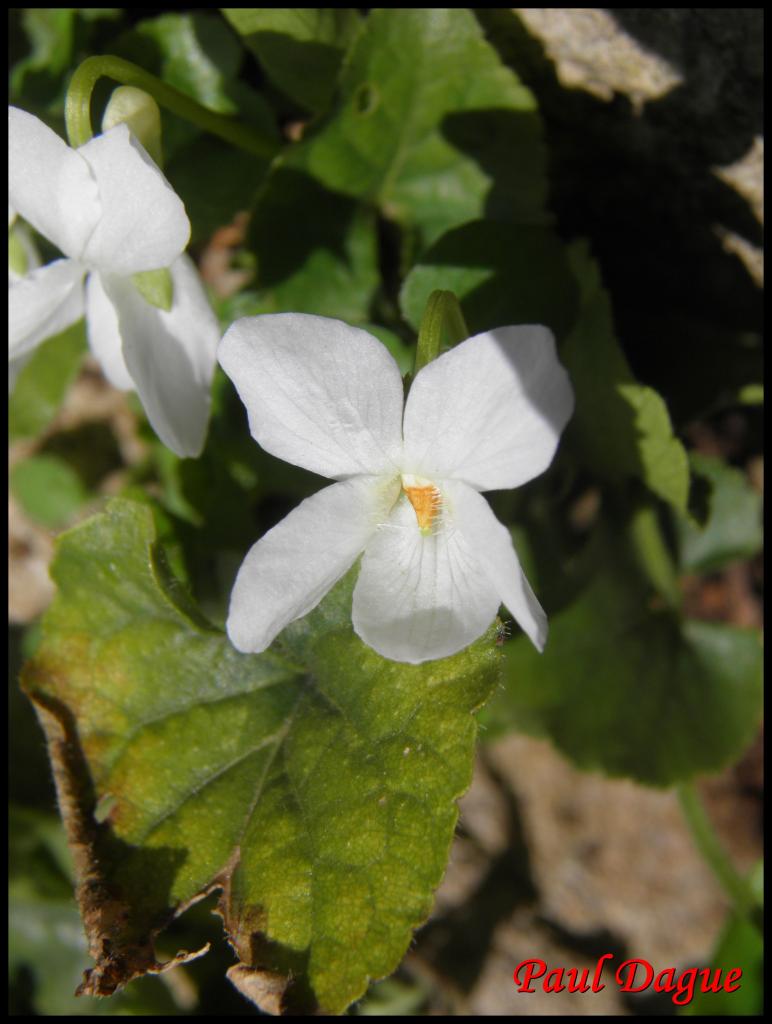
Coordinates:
<point>111,212</point>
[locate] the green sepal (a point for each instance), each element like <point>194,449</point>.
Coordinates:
<point>155,287</point>
<point>442,326</point>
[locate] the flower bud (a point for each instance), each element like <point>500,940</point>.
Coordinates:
<point>136,108</point>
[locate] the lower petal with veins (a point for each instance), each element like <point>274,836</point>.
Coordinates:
<point>421,594</point>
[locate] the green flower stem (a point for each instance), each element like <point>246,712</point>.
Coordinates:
<point>652,554</point>
<point>77,111</point>
<point>707,842</point>
<point>442,326</point>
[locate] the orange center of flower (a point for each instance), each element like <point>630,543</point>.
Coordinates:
<point>425,499</point>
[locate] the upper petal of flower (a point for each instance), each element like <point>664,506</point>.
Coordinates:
<point>143,225</point>
<point>104,334</point>
<point>170,356</point>
<point>490,411</point>
<point>289,570</point>
<point>492,544</point>
<point>43,303</point>
<point>50,185</point>
<point>421,597</point>
<point>319,393</point>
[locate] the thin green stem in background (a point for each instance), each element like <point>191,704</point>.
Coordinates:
<point>652,554</point>
<point>77,111</point>
<point>715,856</point>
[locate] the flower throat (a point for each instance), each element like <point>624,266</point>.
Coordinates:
<point>425,499</point>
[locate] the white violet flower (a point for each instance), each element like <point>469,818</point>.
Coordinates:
<point>436,563</point>
<point>113,214</point>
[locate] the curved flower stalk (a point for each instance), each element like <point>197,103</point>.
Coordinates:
<point>436,562</point>
<point>111,212</point>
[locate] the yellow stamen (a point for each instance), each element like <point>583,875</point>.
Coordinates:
<point>425,499</point>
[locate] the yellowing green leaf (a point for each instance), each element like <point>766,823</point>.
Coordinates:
<point>315,784</point>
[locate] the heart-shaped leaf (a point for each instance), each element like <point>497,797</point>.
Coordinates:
<point>627,687</point>
<point>300,48</point>
<point>431,127</point>
<point>314,784</point>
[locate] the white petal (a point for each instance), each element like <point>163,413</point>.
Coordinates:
<point>421,597</point>
<point>104,335</point>
<point>170,356</point>
<point>490,411</point>
<point>492,544</point>
<point>42,304</point>
<point>289,570</point>
<point>319,393</point>
<point>143,224</point>
<point>49,184</point>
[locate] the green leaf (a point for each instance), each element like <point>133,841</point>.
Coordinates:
<point>48,489</point>
<point>315,783</point>
<point>627,688</point>
<point>38,859</point>
<point>155,287</point>
<point>43,44</point>
<point>733,529</point>
<point>198,54</point>
<point>50,33</point>
<point>300,49</point>
<point>324,263</point>
<point>44,381</point>
<point>741,945</point>
<point>431,127</point>
<point>394,998</point>
<point>501,274</point>
<point>215,181</point>
<point>621,428</point>
<point>195,52</point>
<point>46,938</point>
